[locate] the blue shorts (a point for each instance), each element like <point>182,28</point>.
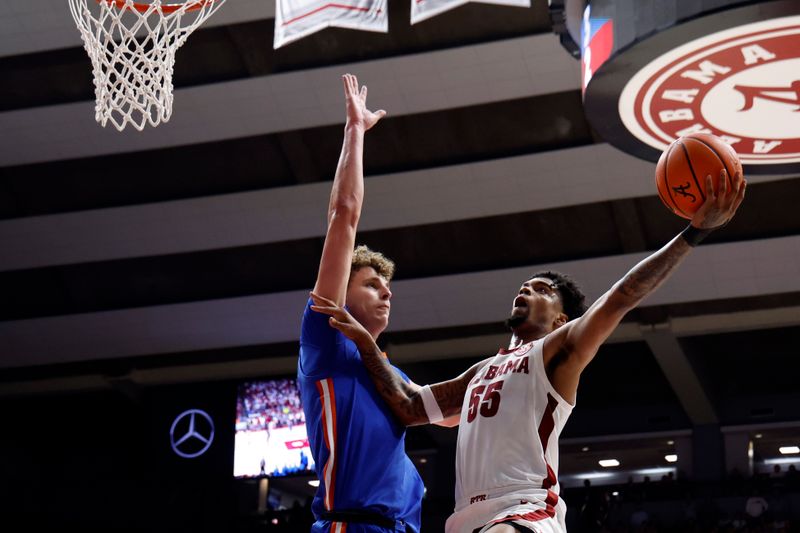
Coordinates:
<point>325,526</point>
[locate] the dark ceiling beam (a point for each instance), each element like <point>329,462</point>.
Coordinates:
<point>629,226</point>
<point>664,345</point>
<point>300,158</point>
<point>250,45</point>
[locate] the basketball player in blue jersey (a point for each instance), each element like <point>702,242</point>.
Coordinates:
<point>367,482</point>
<point>514,405</point>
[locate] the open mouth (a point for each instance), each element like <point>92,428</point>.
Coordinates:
<point>519,301</point>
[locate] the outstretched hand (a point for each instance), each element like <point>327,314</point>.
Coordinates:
<point>340,319</point>
<point>356,104</point>
<point>720,205</point>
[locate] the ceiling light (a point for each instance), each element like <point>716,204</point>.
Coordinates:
<point>758,435</point>
<point>607,463</point>
<point>671,458</point>
<point>593,475</point>
<point>615,493</point>
<point>670,442</point>
<point>585,449</point>
<point>423,460</point>
<point>314,483</point>
<point>783,461</point>
<point>786,450</point>
<point>659,471</point>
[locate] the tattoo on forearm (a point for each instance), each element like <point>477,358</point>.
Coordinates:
<point>403,400</point>
<point>646,276</point>
<point>450,395</point>
<point>394,391</point>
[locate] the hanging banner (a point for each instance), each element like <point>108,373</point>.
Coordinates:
<point>425,9</point>
<point>295,19</point>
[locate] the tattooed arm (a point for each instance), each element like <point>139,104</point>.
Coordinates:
<point>404,399</point>
<point>568,349</point>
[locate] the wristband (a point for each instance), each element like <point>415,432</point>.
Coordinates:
<point>694,236</point>
<point>431,407</point>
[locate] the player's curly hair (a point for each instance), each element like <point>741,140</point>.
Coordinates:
<point>572,298</point>
<point>364,257</point>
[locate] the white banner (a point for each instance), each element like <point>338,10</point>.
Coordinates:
<point>425,9</point>
<point>294,19</point>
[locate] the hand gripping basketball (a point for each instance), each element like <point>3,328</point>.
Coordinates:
<point>682,170</point>
<point>720,204</point>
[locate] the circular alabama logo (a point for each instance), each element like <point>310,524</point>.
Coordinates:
<point>192,433</point>
<point>742,84</point>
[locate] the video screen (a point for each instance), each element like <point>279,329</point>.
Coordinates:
<point>271,438</point>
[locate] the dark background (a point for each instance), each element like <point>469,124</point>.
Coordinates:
<point>127,298</point>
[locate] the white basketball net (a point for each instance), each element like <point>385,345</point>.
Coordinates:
<point>133,75</point>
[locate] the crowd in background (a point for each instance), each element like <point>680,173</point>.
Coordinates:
<point>762,503</point>
<point>267,405</point>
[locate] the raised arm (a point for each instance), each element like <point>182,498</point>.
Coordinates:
<point>347,195</point>
<point>404,399</point>
<point>575,344</point>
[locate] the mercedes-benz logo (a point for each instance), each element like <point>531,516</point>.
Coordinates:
<point>191,433</point>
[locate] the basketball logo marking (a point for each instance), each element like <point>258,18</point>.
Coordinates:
<point>682,169</point>
<point>681,189</point>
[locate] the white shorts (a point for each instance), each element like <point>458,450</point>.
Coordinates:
<point>546,525</point>
<point>482,515</point>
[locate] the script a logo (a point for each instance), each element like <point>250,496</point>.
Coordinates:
<point>770,93</point>
<point>192,433</point>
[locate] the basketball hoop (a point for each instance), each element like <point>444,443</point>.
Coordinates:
<point>133,75</point>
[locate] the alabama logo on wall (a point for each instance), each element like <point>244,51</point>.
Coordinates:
<point>742,84</point>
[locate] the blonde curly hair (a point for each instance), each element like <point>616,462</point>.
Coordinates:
<point>364,257</point>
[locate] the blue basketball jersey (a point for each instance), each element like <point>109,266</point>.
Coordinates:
<point>358,446</point>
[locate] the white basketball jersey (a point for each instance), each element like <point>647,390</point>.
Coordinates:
<point>507,455</point>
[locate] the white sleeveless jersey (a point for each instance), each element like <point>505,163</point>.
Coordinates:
<point>507,455</point>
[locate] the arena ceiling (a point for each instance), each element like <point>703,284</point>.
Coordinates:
<point>185,253</point>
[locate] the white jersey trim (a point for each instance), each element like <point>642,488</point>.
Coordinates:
<point>432,410</point>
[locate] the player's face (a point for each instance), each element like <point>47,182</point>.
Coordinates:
<point>368,299</point>
<point>538,301</point>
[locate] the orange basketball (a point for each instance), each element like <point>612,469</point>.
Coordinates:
<point>682,169</point>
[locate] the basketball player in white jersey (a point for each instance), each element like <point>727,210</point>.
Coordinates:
<point>514,405</point>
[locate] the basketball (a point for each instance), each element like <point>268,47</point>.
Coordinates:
<point>682,169</point>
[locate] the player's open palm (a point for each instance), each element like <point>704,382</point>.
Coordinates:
<point>340,319</point>
<point>720,205</point>
<point>356,104</point>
